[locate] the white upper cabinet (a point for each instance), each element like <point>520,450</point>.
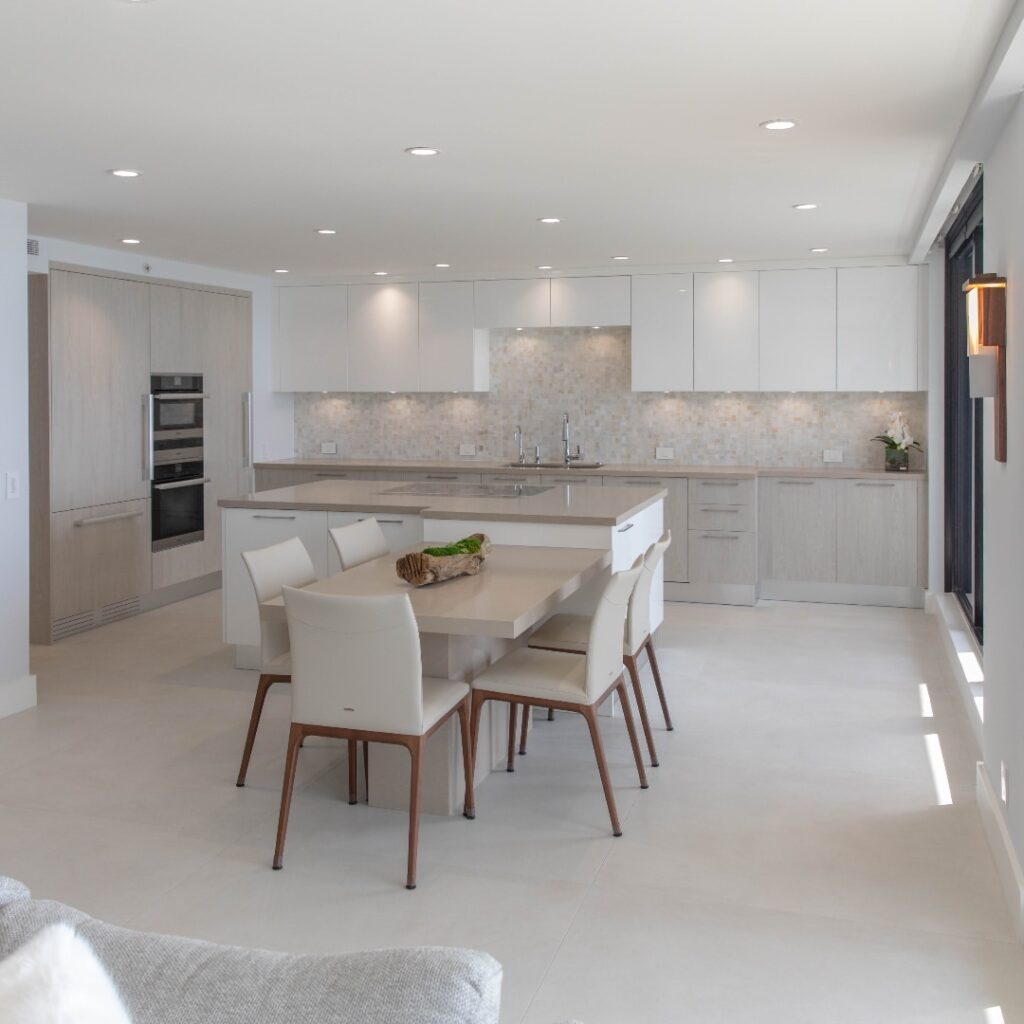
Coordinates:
<point>798,330</point>
<point>311,338</point>
<point>589,301</point>
<point>877,329</point>
<point>725,313</point>
<point>512,303</point>
<point>453,356</point>
<point>383,336</point>
<point>661,348</point>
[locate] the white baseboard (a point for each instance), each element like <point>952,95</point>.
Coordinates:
<point>17,695</point>
<point>1007,862</point>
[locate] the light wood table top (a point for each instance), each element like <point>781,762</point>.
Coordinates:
<point>517,587</point>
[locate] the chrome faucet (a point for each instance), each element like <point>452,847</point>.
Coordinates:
<point>517,436</point>
<point>567,454</point>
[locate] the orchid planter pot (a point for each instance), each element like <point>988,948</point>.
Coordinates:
<point>897,460</point>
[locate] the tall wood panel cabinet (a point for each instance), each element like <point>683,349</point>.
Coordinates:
<point>94,339</point>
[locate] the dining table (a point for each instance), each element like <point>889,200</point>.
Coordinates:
<point>466,624</point>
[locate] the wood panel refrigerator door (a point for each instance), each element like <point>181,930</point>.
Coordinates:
<point>311,338</point>
<point>449,349</point>
<point>798,530</point>
<point>99,375</point>
<point>512,303</point>
<point>173,346</point>
<point>725,331</point>
<point>877,328</point>
<point>797,330</point>
<point>590,302</point>
<point>661,345</point>
<point>383,332</point>
<point>878,532</point>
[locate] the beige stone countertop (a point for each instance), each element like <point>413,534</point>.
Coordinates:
<point>560,503</point>
<point>657,469</point>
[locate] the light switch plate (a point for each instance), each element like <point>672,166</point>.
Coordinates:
<point>12,487</point>
<point>467,449</point>
<point>328,447</point>
<point>664,451</point>
<point>832,455</point>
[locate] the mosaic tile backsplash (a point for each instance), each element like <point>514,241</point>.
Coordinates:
<point>536,376</point>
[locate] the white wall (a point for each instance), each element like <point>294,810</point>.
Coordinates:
<point>1004,488</point>
<point>273,416</point>
<point>17,686</point>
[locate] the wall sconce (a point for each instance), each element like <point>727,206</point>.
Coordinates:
<point>986,347</point>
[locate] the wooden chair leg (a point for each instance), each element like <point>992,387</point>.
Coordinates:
<point>657,682</point>
<point>353,773</point>
<point>416,755</point>
<point>551,714</point>
<point>366,768</point>
<point>524,728</point>
<point>265,683</point>
<point>634,742</point>
<point>641,706</point>
<point>478,706</point>
<point>469,806</point>
<point>294,742</point>
<point>590,714</point>
<point>510,763</point>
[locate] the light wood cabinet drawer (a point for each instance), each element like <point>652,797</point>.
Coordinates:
<point>721,556</point>
<point>717,491</point>
<point>722,517</point>
<point>99,556</point>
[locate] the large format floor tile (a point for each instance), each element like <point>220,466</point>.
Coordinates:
<point>791,861</point>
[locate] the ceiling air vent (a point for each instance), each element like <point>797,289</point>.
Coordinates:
<point>33,247</point>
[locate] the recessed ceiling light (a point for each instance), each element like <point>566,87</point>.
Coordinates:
<point>281,270</point>
<point>725,259</point>
<point>597,327</point>
<point>820,249</point>
<point>442,266</point>
<point>545,267</point>
<point>805,206</point>
<point>778,124</point>
<point>519,328</point>
<point>620,257</point>
<point>550,220</point>
<point>125,172</point>
<point>326,231</point>
<point>380,273</point>
<point>131,241</point>
<point>422,151</point>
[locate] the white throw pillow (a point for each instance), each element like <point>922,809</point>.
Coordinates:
<point>56,978</point>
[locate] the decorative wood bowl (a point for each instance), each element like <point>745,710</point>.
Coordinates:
<point>420,569</point>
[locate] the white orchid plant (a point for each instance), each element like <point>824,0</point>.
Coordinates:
<point>897,436</point>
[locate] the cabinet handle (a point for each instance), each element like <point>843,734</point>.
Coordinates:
<point>643,483</point>
<point>433,476</point>
<point>107,519</point>
<point>719,483</point>
<point>729,511</point>
<point>719,536</point>
<point>876,483</point>
<point>798,483</point>
<point>395,522</point>
<point>181,483</point>
<point>246,429</point>
<point>179,396</point>
<point>628,526</point>
<point>333,476</point>
<point>147,437</point>
<point>273,517</point>
<point>564,480</point>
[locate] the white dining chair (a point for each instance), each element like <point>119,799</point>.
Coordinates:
<point>357,675</point>
<point>567,682</point>
<point>271,569</point>
<point>570,633</point>
<point>359,542</point>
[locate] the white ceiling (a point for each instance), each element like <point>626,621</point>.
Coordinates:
<point>258,121</point>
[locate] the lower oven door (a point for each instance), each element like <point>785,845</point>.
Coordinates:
<point>178,512</point>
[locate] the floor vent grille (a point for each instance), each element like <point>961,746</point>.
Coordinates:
<point>120,610</point>
<point>71,624</point>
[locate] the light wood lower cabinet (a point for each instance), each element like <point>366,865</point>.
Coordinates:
<point>99,556</point>
<point>801,542</point>
<point>722,557</point>
<point>877,533</point>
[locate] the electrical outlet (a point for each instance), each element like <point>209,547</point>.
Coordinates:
<point>832,455</point>
<point>664,451</point>
<point>328,447</point>
<point>12,488</point>
<point>467,449</point>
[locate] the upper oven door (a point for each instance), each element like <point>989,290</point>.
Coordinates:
<point>178,414</point>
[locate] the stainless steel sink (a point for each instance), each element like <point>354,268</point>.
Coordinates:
<point>554,465</point>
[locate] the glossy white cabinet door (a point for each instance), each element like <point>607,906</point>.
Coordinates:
<point>797,330</point>
<point>661,347</point>
<point>512,303</point>
<point>877,328</point>
<point>311,338</point>
<point>725,331</point>
<point>453,356</point>
<point>383,335</point>
<point>589,301</point>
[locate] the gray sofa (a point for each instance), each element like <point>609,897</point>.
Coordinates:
<point>184,981</point>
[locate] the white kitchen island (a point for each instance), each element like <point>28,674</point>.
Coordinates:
<point>621,521</point>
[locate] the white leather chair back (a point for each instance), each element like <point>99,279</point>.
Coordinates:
<point>604,646</point>
<point>281,565</point>
<point>355,662</point>
<point>638,620</point>
<point>359,542</point>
